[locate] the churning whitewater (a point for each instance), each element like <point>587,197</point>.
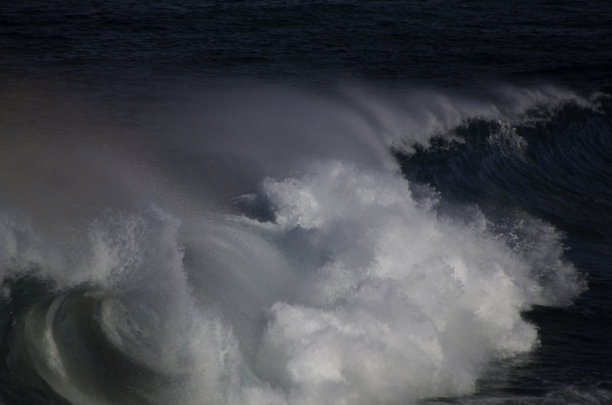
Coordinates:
<point>329,280</point>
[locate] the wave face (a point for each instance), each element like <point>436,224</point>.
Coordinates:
<point>308,249</point>
<point>550,164</point>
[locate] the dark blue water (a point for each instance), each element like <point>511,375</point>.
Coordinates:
<point>426,42</point>
<point>305,202</point>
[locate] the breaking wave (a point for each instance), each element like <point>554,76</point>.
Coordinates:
<point>338,282</point>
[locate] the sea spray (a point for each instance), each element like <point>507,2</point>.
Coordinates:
<point>405,304</point>
<point>334,280</point>
<point>387,300</point>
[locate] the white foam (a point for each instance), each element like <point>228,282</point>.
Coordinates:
<point>405,306</point>
<point>370,295</point>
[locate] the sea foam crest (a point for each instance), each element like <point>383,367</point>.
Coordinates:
<point>404,305</point>
<point>370,295</point>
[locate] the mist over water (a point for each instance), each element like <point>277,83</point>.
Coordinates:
<point>260,245</point>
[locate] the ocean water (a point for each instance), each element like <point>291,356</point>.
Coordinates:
<point>305,202</point>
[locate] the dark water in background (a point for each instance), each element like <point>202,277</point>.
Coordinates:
<point>430,42</point>
<point>498,114</point>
